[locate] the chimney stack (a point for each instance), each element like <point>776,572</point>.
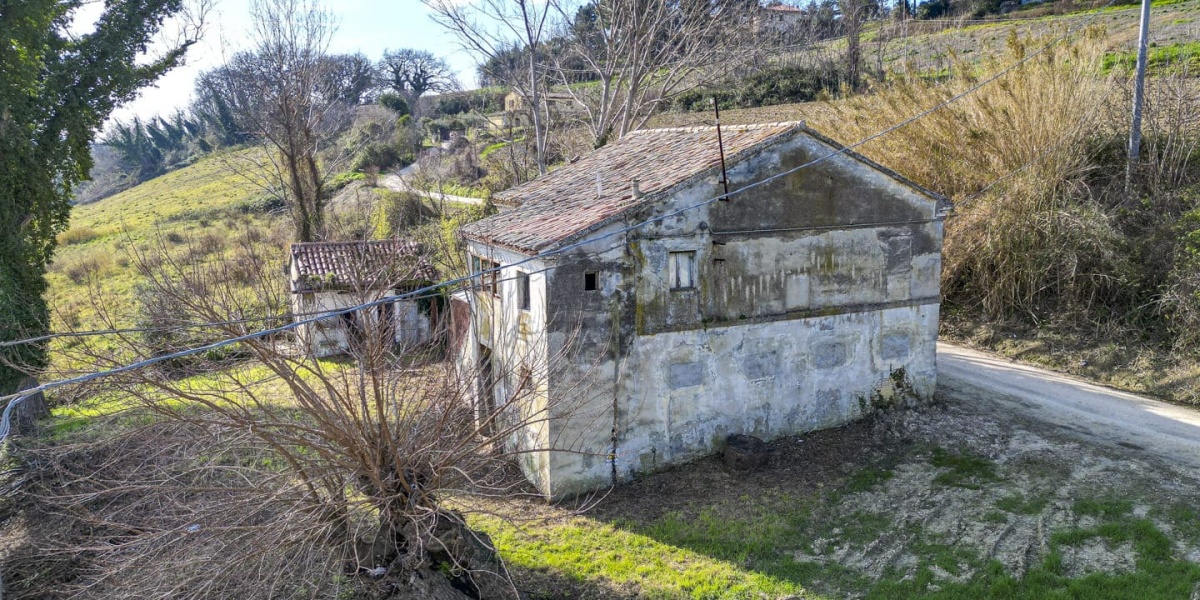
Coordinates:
<point>637,192</point>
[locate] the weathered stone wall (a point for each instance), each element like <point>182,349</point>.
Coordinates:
<point>816,300</point>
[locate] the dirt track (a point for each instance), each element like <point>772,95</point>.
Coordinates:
<point>1094,412</point>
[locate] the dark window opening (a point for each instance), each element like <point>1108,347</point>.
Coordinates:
<point>681,270</point>
<point>523,291</point>
<point>590,282</point>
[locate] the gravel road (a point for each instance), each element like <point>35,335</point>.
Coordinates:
<point>1095,412</point>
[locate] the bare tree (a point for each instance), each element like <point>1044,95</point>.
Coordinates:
<point>293,111</point>
<point>855,14</point>
<point>350,79</point>
<point>641,54</point>
<point>277,475</point>
<point>412,73</point>
<point>510,35</point>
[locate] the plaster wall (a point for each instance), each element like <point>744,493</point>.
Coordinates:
<point>331,335</point>
<point>685,391</point>
<point>514,340</point>
<point>816,301</point>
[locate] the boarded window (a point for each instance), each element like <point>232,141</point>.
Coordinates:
<point>681,270</point>
<point>487,281</point>
<point>523,290</point>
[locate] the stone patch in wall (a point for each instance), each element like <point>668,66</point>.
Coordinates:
<point>899,254</point>
<point>797,294</point>
<point>829,355</point>
<point>896,346</point>
<point>686,375</point>
<point>760,366</point>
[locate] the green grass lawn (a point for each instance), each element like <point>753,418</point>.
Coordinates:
<point>783,539</point>
<point>1181,58</point>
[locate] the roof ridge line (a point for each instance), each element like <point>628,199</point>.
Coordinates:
<point>742,126</point>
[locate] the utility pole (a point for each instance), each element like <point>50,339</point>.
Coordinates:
<point>1139,91</point>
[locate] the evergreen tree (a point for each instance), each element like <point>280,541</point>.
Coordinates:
<point>56,90</point>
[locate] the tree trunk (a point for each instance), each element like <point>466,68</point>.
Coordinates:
<point>536,112</point>
<point>454,563</point>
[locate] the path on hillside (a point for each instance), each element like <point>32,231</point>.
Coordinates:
<point>1092,411</point>
<point>398,181</point>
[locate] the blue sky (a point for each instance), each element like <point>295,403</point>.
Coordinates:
<point>367,26</point>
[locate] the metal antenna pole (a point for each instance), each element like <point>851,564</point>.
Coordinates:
<point>1139,92</point>
<point>721,148</point>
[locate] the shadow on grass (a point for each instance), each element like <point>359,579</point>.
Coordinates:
<point>701,531</point>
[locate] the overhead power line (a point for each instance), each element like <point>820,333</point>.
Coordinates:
<point>557,251</point>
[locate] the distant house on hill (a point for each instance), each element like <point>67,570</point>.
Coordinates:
<point>329,276</point>
<point>800,304</point>
<point>516,109</point>
<point>779,18</point>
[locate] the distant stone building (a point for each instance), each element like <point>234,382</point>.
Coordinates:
<point>779,18</point>
<point>800,304</point>
<point>329,276</point>
<point>516,110</point>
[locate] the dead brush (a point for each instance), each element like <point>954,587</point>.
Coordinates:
<point>94,262</point>
<point>1039,235</point>
<point>153,510</point>
<point>279,475</point>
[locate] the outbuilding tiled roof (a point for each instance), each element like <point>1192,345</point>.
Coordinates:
<point>377,264</point>
<point>565,201</point>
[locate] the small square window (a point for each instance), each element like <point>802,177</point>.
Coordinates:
<point>523,290</point>
<point>681,270</point>
<point>590,281</point>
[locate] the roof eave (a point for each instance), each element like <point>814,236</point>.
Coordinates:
<point>527,251</point>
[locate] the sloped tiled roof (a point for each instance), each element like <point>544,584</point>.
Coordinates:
<point>380,264</point>
<point>564,202</point>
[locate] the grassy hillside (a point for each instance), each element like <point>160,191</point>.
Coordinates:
<point>936,49</point>
<point>197,212</point>
<point>913,46</point>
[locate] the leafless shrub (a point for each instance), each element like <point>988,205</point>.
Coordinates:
<point>92,263</point>
<point>509,36</point>
<point>286,476</point>
<point>637,56</point>
<point>1171,131</point>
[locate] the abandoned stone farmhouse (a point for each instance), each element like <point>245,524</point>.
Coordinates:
<point>796,305</point>
<point>330,276</point>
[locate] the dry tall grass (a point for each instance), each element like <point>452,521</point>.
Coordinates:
<point>1029,161</point>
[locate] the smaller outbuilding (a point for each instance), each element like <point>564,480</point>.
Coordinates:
<point>331,276</point>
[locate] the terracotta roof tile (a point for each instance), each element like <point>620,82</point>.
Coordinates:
<point>380,264</point>
<point>564,202</point>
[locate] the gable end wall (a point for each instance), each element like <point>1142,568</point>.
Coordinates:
<point>817,302</point>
